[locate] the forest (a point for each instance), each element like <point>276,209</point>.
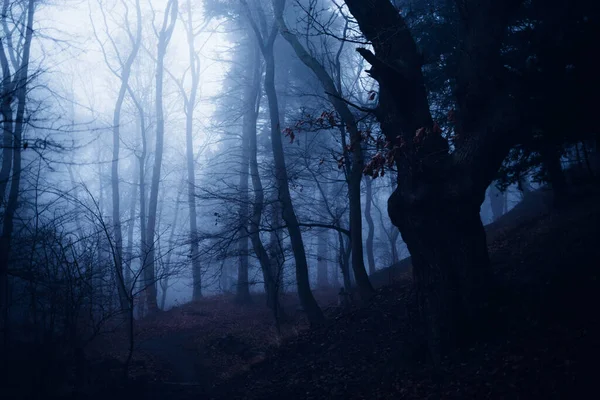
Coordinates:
<point>301,199</point>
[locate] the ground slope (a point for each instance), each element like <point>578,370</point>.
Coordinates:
<point>542,342</point>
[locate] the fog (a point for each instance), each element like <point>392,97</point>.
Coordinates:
<point>163,153</point>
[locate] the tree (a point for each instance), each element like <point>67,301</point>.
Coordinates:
<point>266,38</point>
<point>122,72</point>
<point>436,203</point>
<point>371,225</point>
<point>12,136</point>
<point>348,121</point>
<point>164,37</point>
<point>190,105</point>
<point>242,287</point>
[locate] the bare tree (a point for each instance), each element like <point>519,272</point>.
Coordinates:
<point>268,260</point>
<point>190,103</point>
<point>334,94</point>
<point>266,38</point>
<point>242,286</point>
<point>164,37</point>
<point>123,73</point>
<point>18,89</point>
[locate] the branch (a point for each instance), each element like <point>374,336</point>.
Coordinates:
<point>335,228</point>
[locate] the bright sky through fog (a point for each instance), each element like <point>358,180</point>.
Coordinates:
<point>79,62</point>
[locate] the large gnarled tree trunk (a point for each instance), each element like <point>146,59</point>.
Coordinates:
<point>436,204</point>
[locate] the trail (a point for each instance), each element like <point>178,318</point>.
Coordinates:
<point>178,351</point>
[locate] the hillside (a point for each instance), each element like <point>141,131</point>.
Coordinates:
<point>542,334</point>
<point>541,343</point>
<point>534,205</point>
<point>542,337</point>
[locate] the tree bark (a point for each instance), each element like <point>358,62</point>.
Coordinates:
<point>164,37</point>
<point>371,225</point>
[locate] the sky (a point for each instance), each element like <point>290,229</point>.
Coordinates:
<point>72,52</point>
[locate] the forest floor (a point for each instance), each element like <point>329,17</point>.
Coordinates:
<point>542,342</point>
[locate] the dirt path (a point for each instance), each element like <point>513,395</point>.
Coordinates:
<point>180,355</point>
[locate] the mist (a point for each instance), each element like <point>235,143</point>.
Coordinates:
<point>231,177</point>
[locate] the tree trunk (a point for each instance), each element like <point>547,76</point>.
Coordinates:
<point>164,36</point>
<point>251,104</point>
<point>275,245</point>
<point>334,94</point>
<point>309,304</point>
<point>439,194</point>
<point>322,270</point>
<point>6,97</point>
<point>130,229</point>
<point>343,257</point>
<point>189,129</point>
<point>242,287</point>
<point>125,72</point>
<point>266,40</point>
<point>164,282</point>
<point>13,196</point>
<point>450,263</point>
<point>369,218</point>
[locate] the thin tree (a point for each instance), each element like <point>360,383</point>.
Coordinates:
<point>266,38</point>
<point>357,163</point>
<point>164,37</point>
<point>20,92</point>
<point>123,73</point>
<point>190,102</point>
